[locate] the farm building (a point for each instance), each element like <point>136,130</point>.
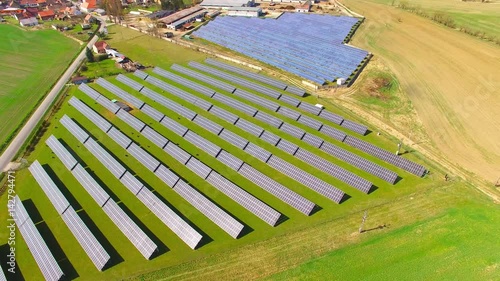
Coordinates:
<point>32,3</point>
<point>177,20</point>
<point>304,8</point>
<point>213,13</point>
<point>225,4</point>
<point>88,6</point>
<point>244,11</point>
<point>46,15</point>
<point>29,22</point>
<point>79,80</point>
<point>100,47</point>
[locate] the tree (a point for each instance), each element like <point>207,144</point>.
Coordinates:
<point>89,54</point>
<point>172,4</point>
<point>101,34</point>
<point>113,9</point>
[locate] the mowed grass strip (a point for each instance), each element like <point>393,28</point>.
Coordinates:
<point>30,63</point>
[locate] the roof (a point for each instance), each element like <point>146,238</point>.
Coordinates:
<point>26,2</point>
<point>100,44</point>
<point>79,78</point>
<point>29,21</point>
<point>181,14</point>
<point>225,3</point>
<point>47,13</point>
<point>89,4</point>
<point>88,17</point>
<point>248,9</point>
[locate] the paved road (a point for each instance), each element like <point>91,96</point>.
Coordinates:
<point>21,137</point>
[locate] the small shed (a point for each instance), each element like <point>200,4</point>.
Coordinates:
<point>79,80</point>
<point>28,22</point>
<point>122,105</point>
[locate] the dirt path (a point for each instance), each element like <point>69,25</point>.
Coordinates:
<point>451,78</point>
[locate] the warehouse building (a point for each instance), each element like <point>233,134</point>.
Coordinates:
<point>177,20</point>
<point>226,4</point>
<point>244,11</point>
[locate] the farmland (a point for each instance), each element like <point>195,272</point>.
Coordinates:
<point>28,71</point>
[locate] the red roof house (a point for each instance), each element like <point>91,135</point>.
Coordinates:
<point>46,15</point>
<point>100,47</point>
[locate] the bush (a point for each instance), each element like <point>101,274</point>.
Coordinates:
<point>83,68</point>
<point>101,57</point>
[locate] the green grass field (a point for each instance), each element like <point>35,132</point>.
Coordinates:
<point>30,62</point>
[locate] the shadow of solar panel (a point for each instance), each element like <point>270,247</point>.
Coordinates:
<point>290,113</point>
<point>185,82</point>
<point>287,146</point>
<point>100,122</point>
<point>256,99</point>
<point>229,160</point>
<point>131,120</point>
<point>202,143</point>
<point>334,170</point>
<point>255,76</point>
<point>94,250</point>
<point>209,209</point>
<point>249,127</point>
<point>107,104</point>
<point>310,108</point>
<point>355,127</point>
<point>290,100</point>
<point>306,179</point>
<point>247,109</point>
<point>224,114</point>
<point>74,129</point>
<point>153,113</point>
<point>258,152</point>
<point>121,139</point>
<point>360,162</point>
<point>141,74</point>
<point>278,190</point>
<point>332,132</point>
<point>90,185</point>
<point>131,183</point>
<point>208,124</point>
<point>129,82</point>
<point>154,137</point>
<point>89,91</point>
<point>167,176</point>
<point>292,130</point>
<point>296,91</point>
<point>49,187</point>
<point>115,90</point>
<point>127,226</point>
<point>331,117</point>
<point>178,153</point>
<point>312,140</point>
<point>38,248</point>
<point>105,158</point>
<point>270,138</point>
<point>268,119</point>
<point>183,230</point>
<point>198,168</point>
<point>174,126</point>
<point>204,78</point>
<point>61,152</point>
<point>143,157</point>
<point>310,122</point>
<point>233,139</point>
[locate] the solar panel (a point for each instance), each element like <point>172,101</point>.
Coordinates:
<point>229,160</point>
<point>141,74</point>
<point>185,82</point>
<point>86,239</point>
<point>106,103</point>
<point>90,185</point>
<point>268,119</point>
<point>128,227</point>
<point>306,179</point>
<point>209,209</point>
<point>167,176</point>
<point>355,127</point>
<point>131,120</point>
<point>246,200</point>
<point>154,137</point>
<point>310,108</point>
<point>332,132</point>
<point>178,153</point>
<point>290,113</point>
<point>89,91</point>
<point>143,157</point>
<point>249,127</point>
<point>296,91</point>
<point>208,124</point>
<point>120,138</point>
<point>105,158</point>
<point>38,248</point>
<point>49,187</point>
<point>258,152</point>
<point>292,130</point>
<point>313,140</point>
<point>331,117</point>
<point>115,90</point>
<point>61,152</point>
<point>2,275</point>
<point>20,214</point>
<point>204,78</point>
<point>233,139</point>
<point>203,104</point>
<point>153,113</point>
<point>129,82</point>
<point>289,100</point>
<point>310,122</point>
<point>131,183</point>
<point>198,168</point>
<point>171,89</point>
<point>168,103</point>
<point>270,138</point>
<point>202,143</point>
<point>287,146</point>
<point>278,190</point>
<point>247,109</point>
<point>183,230</point>
<point>75,130</point>
<point>224,114</point>
<point>99,121</point>
<point>256,99</point>
<point>174,126</point>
